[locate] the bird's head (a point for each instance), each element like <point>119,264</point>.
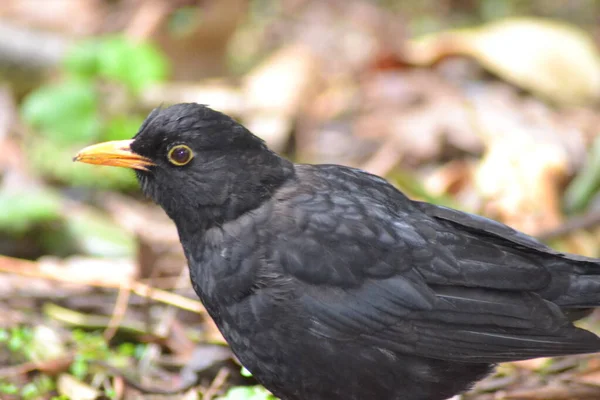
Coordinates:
<point>199,165</point>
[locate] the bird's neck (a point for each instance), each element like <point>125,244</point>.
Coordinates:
<point>243,191</point>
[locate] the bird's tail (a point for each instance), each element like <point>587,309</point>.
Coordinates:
<point>583,283</point>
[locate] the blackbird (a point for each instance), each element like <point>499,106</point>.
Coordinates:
<point>329,283</point>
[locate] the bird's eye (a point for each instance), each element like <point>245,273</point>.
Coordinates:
<point>180,155</point>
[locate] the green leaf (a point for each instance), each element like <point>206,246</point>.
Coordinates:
<point>30,391</point>
<point>20,337</point>
<point>98,235</point>
<point>586,184</point>
<point>8,388</point>
<point>126,349</point>
<point>79,367</point>
<point>23,209</point>
<point>90,345</point>
<point>248,393</point>
<point>136,65</point>
<point>110,393</point>
<point>44,383</point>
<point>64,112</point>
<point>83,59</point>
<point>54,161</point>
<point>122,127</point>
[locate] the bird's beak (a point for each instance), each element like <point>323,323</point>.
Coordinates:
<point>117,154</point>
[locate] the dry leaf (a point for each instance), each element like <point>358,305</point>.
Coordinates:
<point>73,388</point>
<point>592,378</point>
<point>554,60</point>
<point>218,94</point>
<point>527,159</point>
<point>275,91</point>
<point>534,364</point>
<point>424,113</point>
<point>556,392</point>
<point>449,178</point>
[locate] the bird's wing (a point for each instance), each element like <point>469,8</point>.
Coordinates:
<point>460,324</point>
<point>486,226</point>
<point>405,281</point>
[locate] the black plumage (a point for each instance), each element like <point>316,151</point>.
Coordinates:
<point>330,284</point>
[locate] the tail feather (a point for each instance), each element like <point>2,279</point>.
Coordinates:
<point>583,285</point>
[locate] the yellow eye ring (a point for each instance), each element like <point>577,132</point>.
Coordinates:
<point>180,155</point>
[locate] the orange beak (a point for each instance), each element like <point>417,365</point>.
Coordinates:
<point>116,153</point>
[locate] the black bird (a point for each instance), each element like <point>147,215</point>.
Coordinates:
<point>330,284</point>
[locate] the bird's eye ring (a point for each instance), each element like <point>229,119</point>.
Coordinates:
<point>180,155</point>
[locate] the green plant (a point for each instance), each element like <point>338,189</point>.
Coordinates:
<point>93,346</point>
<point>248,393</point>
<point>8,388</point>
<point>95,100</point>
<point>18,340</point>
<point>37,388</point>
<point>25,208</point>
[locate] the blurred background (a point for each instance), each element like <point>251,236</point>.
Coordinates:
<point>488,106</point>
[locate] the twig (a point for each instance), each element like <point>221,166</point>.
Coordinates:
<point>573,224</point>
<point>118,312</point>
<point>89,321</point>
<point>30,268</point>
<point>141,387</point>
<point>49,366</point>
<point>216,384</point>
<point>167,297</point>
